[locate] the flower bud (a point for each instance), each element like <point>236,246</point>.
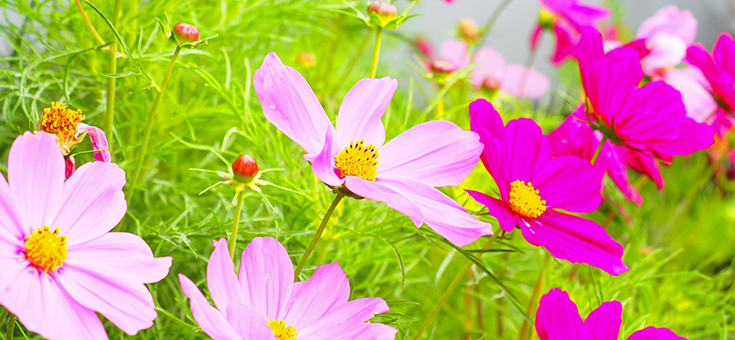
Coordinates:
<point>185,33</point>
<point>245,168</point>
<point>468,30</point>
<point>441,70</point>
<point>491,84</point>
<point>385,11</point>
<point>424,45</point>
<point>546,19</point>
<point>307,59</point>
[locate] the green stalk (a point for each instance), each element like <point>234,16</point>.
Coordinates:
<point>149,126</point>
<point>236,223</point>
<point>11,327</point>
<point>89,23</point>
<point>540,283</point>
<point>599,149</point>
<point>318,234</point>
<point>112,69</point>
<point>450,289</point>
<point>376,51</point>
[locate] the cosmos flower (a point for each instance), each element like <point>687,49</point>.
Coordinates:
<point>264,303</point>
<point>353,157</point>
<point>59,264</point>
<point>558,318</point>
<point>651,120</point>
<point>66,125</point>
<point>667,33</point>
<point>492,73</point>
<point>718,69</point>
<point>533,185</point>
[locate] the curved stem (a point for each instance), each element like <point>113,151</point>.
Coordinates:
<point>318,234</point>
<point>493,17</point>
<point>376,51</point>
<point>540,283</point>
<point>89,23</point>
<point>236,223</point>
<point>11,327</point>
<point>599,148</point>
<point>111,69</point>
<point>450,289</point>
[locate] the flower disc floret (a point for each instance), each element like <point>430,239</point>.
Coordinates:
<point>358,160</point>
<point>525,200</point>
<point>46,249</point>
<point>282,330</point>
<point>61,122</point>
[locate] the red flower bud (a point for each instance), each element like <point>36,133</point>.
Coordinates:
<point>245,168</point>
<point>186,33</point>
<point>468,30</point>
<point>385,11</point>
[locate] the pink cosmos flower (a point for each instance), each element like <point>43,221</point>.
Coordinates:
<point>651,119</point>
<point>719,71</point>
<point>558,318</point>
<point>264,303</point>
<point>517,80</point>
<point>452,57</point>
<point>667,33</point>
<point>532,185</point>
<point>402,173</point>
<point>58,262</point>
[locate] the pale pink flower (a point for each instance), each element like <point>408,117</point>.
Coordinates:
<point>493,73</point>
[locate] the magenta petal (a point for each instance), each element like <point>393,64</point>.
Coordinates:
<point>697,99</point>
<point>246,321</point>
<point>486,122</point>
<point>125,252</point>
<point>99,142</point>
<point>362,110</point>
<point>614,164</point>
<point>71,165</point>
<point>380,192</point>
<point>311,299</point>
<point>323,164</point>
<point>570,174</point>
<point>526,150</point>
<point>653,333</point>
<point>604,322</point>
<point>644,164</point>
<point>521,81</point>
<point>221,278</point>
<point>289,103</point>
<point>498,209</point>
<point>438,153</point>
<point>557,317</point>
<point>575,239</point>
<point>93,202</point>
<point>566,43</point>
<point>266,277</point>
<point>211,320</point>
<point>723,53</point>
<point>344,318</point>
<point>36,178</point>
<point>698,56</point>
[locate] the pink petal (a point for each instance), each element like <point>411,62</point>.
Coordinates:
<point>126,303</point>
<point>536,36</point>
<point>70,164</point>
<point>438,153</point>
<point>574,136</point>
<point>615,89</point>
<point>526,150</point>
<point>371,331</point>
<point>723,53</point>
<point>604,322</point>
<point>380,192</point>
<point>266,277</point>
<point>486,122</point>
<point>698,56</point>
<point>644,164</point>
<point>362,110</point>
<point>498,209</point>
<point>99,142</point>
<point>313,298</point>
<point>570,183</point>
<point>566,42</point>
<point>246,321</point>
<point>670,20</point>
<point>582,14</point>
<point>653,333</point>
<point>455,52</point>
<point>93,202</point>
<point>125,252</point>
<point>614,164</point>
<point>345,318</point>
<point>221,278</point>
<point>557,317</point>
<point>323,164</point>
<point>44,307</point>
<point>36,178</point>
<point>12,229</point>
<point>211,320</point>
<point>289,103</point>
<point>490,65</point>
<point>666,51</point>
<point>695,95</point>
<point>575,239</point>
<point>521,81</point>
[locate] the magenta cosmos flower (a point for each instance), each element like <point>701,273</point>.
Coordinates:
<point>402,173</point>
<point>58,262</point>
<point>264,303</point>
<point>557,318</point>
<point>532,185</point>
<point>651,119</point>
<point>517,80</point>
<point>719,70</point>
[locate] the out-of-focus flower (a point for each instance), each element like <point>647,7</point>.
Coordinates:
<point>651,119</point>
<point>307,59</point>
<point>354,160</point>
<point>468,31</point>
<point>719,70</point>
<point>493,74</point>
<point>557,317</point>
<point>424,46</point>
<point>66,125</point>
<point>532,185</point>
<point>60,262</point>
<point>381,14</point>
<point>264,303</point>
<point>667,33</point>
<point>453,56</point>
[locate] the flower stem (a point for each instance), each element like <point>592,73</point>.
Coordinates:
<point>89,23</point>
<point>236,223</point>
<point>540,283</point>
<point>111,69</point>
<point>149,126</point>
<point>11,327</point>
<point>318,234</point>
<point>450,289</point>
<point>376,51</point>
<point>599,148</point>
<point>439,108</point>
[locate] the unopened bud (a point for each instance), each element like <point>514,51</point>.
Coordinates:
<point>546,19</point>
<point>186,33</point>
<point>491,84</point>
<point>245,168</point>
<point>441,70</point>
<point>424,45</point>
<point>307,59</point>
<point>385,11</point>
<point>468,30</point>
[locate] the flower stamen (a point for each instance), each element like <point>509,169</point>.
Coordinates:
<point>282,330</point>
<point>525,200</point>
<point>358,160</point>
<point>62,123</point>
<point>46,249</point>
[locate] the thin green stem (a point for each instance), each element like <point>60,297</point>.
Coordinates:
<point>236,223</point>
<point>599,149</point>
<point>493,17</point>
<point>439,108</point>
<point>457,279</point>
<point>89,23</point>
<point>376,51</point>
<point>149,126</point>
<point>11,327</point>
<point>318,234</point>
<point>111,69</point>
<point>540,283</point>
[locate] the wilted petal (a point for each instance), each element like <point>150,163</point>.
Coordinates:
<point>99,142</point>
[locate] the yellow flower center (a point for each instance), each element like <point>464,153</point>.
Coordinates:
<point>546,18</point>
<point>525,200</point>
<point>46,249</point>
<point>358,160</point>
<point>62,122</point>
<point>282,330</point>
